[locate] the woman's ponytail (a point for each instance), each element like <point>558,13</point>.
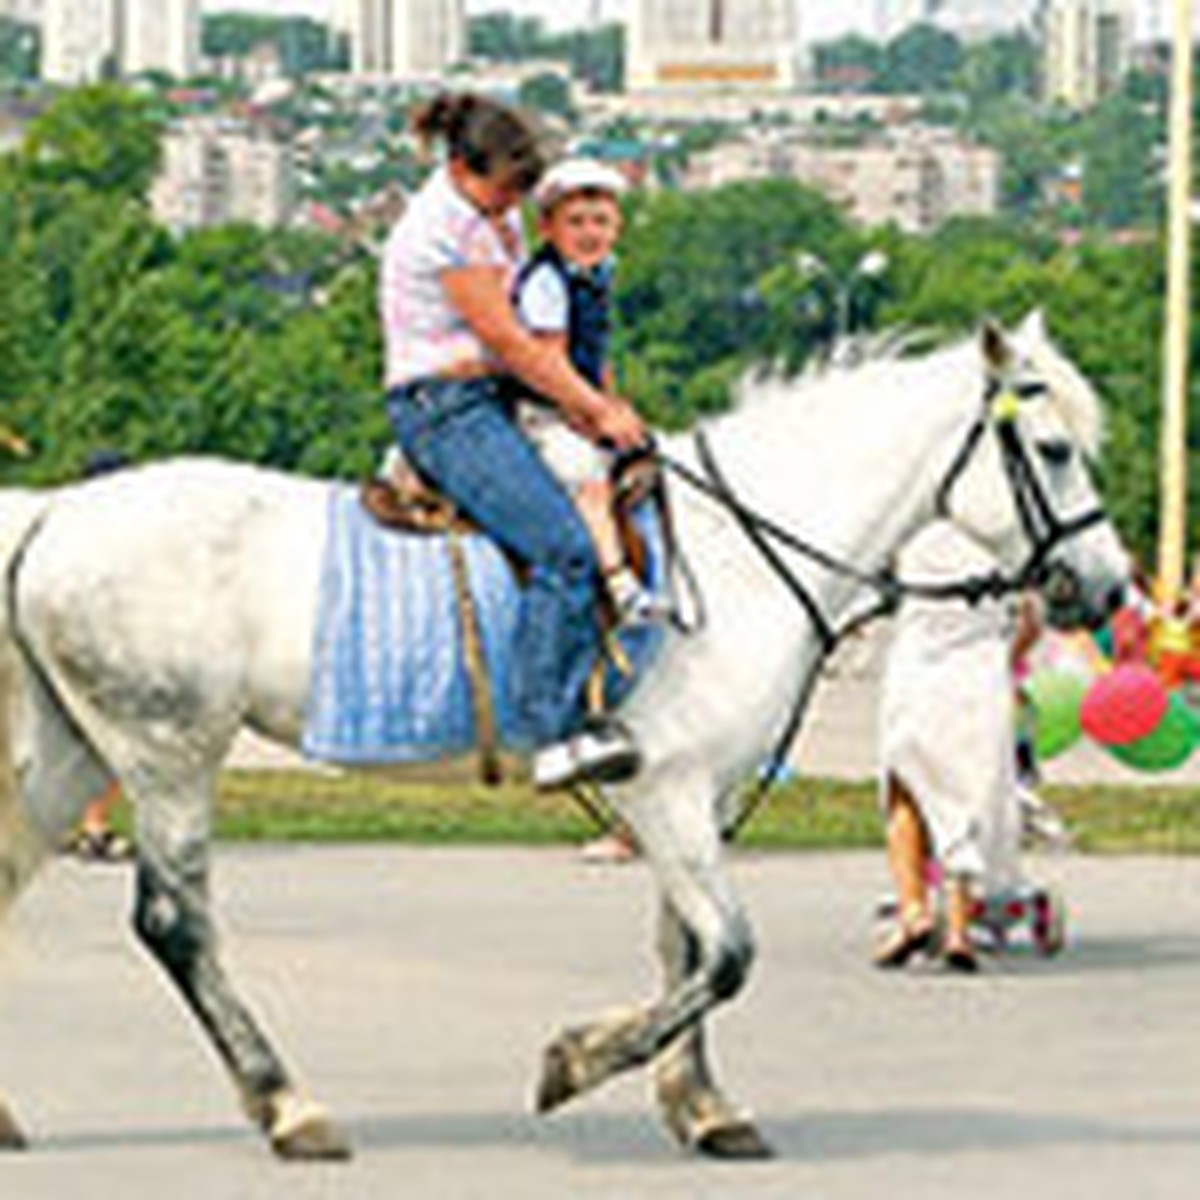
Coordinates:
<point>490,138</point>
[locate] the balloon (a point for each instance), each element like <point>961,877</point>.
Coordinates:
<point>1103,639</point>
<point>1167,746</point>
<point>1124,705</point>
<point>1056,696</point>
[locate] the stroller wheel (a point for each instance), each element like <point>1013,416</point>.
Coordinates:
<point>1048,921</point>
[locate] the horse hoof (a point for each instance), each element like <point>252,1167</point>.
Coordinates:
<point>11,1135</point>
<point>303,1132</point>
<point>558,1083</point>
<point>739,1141</point>
<point>317,1140</point>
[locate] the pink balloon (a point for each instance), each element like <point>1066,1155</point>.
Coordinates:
<point>1125,704</point>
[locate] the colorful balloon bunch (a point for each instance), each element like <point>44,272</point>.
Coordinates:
<point>1126,709</point>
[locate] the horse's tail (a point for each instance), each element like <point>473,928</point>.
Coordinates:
<point>22,848</point>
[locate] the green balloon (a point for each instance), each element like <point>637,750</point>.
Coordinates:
<point>1165,747</point>
<point>1056,697</point>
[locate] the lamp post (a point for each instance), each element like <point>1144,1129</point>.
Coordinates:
<point>842,288</point>
<point>1172,530</point>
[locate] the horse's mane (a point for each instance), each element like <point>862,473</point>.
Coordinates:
<point>1070,394</point>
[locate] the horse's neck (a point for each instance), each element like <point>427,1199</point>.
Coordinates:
<point>851,464</point>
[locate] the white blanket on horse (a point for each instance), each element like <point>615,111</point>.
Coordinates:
<point>947,714</point>
<point>389,683</point>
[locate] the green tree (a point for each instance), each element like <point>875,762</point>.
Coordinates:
<point>921,59</point>
<point>102,137</point>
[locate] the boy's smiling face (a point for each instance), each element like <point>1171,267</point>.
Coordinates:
<point>583,227</point>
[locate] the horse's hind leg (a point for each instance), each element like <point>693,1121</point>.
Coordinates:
<point>171,917</point>
<point>46,778</point>
<point>695,1109</point>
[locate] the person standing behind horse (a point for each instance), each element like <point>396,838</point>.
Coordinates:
<point>948,771</point>
<point>564,296</point>
<point>453,345</point>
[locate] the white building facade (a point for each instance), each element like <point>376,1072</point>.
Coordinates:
<point>28,12</point>
<point>915,178</point>
<point>160,35</point>
<point>1086,49</point>
<point>713,45</point>
<point>404,39</point>
<point>79,40</point>
<point>215,171</point>
<point>85,40</point>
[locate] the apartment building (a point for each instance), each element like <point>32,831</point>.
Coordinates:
<point>86,40</point>
<point>713,45</point>
<point>915,177</point>
<point>403,39</point>
<point>1086,49</point>
<point>217,170</point>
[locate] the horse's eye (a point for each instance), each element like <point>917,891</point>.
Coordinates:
<point>1055,452</point>
<point>1029,389</point>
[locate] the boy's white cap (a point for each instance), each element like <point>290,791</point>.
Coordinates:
<point>577,175</point>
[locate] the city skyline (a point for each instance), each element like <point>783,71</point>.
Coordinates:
<point>819,18</point>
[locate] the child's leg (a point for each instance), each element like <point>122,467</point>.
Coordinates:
<point>595,499</point>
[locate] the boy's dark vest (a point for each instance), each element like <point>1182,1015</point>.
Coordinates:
<point>588,321</point>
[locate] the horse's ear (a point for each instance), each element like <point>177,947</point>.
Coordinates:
<point>997,354</point>
<point>1033,327</point>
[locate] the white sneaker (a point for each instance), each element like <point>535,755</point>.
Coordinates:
<point>603,751</point>
<point>643,607</point>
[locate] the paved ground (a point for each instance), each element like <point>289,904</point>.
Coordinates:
<point>416,987</point>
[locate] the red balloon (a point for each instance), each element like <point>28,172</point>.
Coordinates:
<point>1124,705</point>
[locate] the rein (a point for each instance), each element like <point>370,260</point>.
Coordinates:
<point>1042,526</point>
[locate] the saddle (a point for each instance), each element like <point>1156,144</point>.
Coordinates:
<point>400,499</point>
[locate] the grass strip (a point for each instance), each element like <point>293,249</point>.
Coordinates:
<point>450,807</point>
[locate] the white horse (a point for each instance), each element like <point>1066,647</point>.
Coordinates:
<point>148,616</point>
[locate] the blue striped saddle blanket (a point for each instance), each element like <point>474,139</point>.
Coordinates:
<point>389,683</point>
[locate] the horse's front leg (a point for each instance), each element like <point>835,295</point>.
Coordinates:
<point>171,917</point>
<point>693,1106</point>
<point>680,839</point>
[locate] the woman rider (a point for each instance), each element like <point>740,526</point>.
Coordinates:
<point>453,343</point>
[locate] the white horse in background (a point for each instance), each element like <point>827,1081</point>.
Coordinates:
<point>150,615</point>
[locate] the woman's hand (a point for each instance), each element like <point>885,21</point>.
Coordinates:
<point>618,425</point>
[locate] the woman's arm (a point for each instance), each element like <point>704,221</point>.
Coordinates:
<point>478,294</point>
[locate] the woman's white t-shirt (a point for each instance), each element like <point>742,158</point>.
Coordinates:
<point>440,230</point>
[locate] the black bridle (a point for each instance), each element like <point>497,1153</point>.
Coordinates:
<point>1044,529</point>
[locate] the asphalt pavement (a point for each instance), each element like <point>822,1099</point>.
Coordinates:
<point>414,989</point>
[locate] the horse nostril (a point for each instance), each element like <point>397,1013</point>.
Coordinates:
<point>1115,598</point>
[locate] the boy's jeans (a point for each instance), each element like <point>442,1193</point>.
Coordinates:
<point>460,435</point>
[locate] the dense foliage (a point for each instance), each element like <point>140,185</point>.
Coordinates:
<point>264,345</point>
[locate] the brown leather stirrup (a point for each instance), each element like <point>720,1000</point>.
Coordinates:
<point>482,702</point>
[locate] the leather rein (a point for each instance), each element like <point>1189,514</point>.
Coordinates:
<point>1044,529</point>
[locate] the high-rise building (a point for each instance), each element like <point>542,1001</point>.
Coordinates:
<point>712,45</point>
<point>968,20</point>
<point>404,38</point>
<point>28,12</point>
<point>1085,49</point>
<point>160,35</point>
<point>79,40</point>
<point>82,40</point>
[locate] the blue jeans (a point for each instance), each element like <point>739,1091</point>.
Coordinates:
<point>461,436</point>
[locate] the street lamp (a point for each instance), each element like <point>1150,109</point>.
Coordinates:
<point>842,288</point>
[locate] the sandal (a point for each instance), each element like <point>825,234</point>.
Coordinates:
<point>915,934</point>
<point>960,960</point>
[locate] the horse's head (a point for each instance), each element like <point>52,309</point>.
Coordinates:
<point>1021,484</point>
